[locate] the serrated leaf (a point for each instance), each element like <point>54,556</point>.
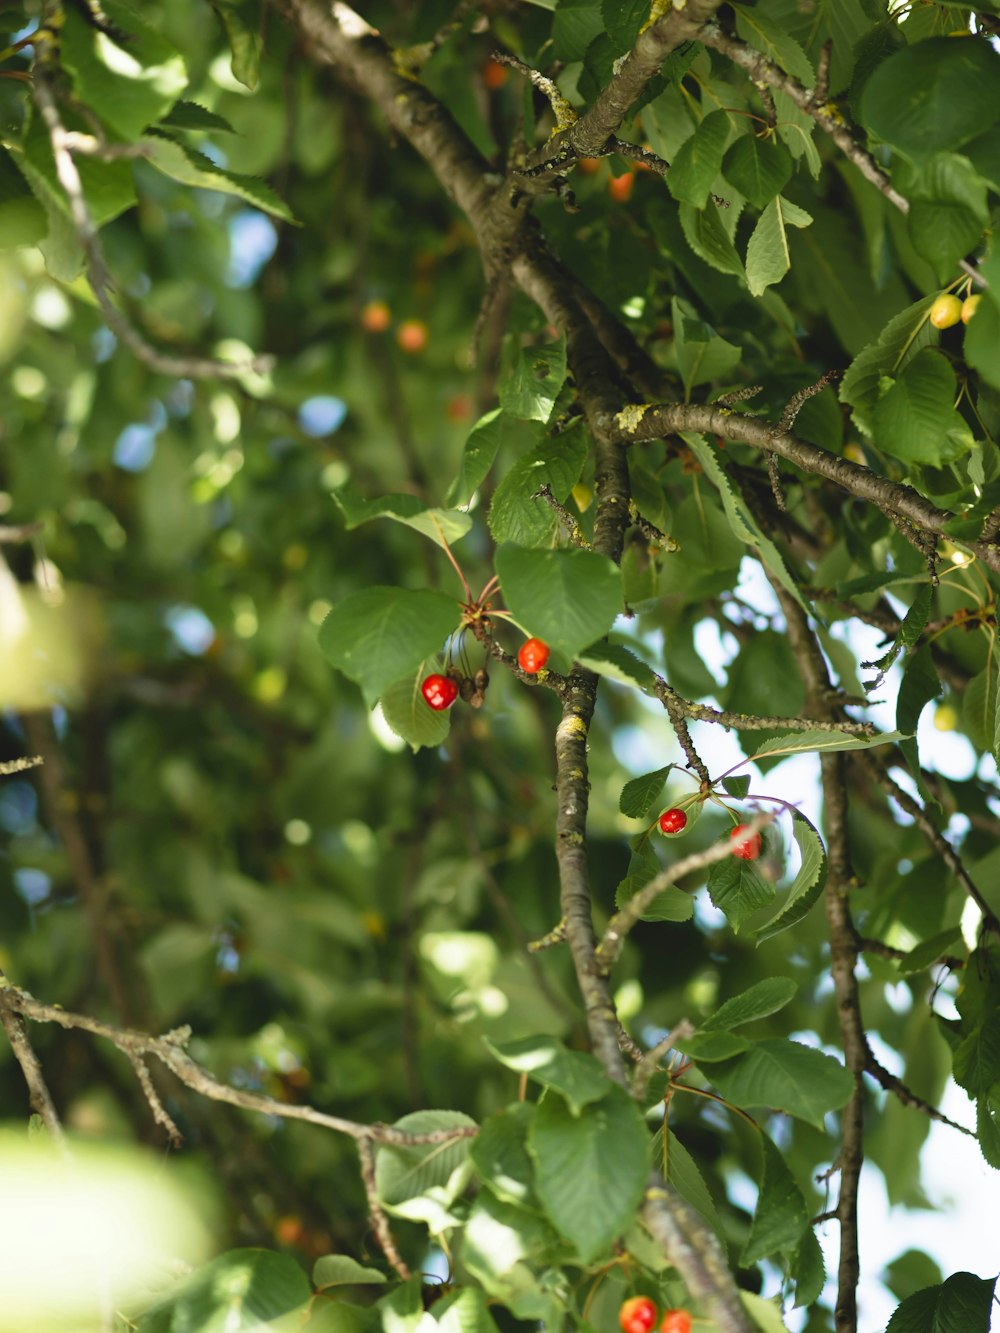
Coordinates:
<point>340,1270</point>
<point>758,168</point>
<point>683,1174</point>
<point>702,356</point>
<point>737,888</point>
<point>591,1169</point>
<point>948,210</point>
<point>569,598</point>
<point>785,1076</point>
<point>909,632</point>
<point>504,1246</point>
<point>618,663</point>
<point>515,516</point>
<point>193,116</point>
<point>760,30</point>
<point>467,1312</point>
<point>379,635</point>
<point>405,1173</point>
<point>185,164</point>
<point>768,256</point>
<point>809,1271</point>
<point>741,521</point>
<point>758,1001</point>
<point>736,787</point>
<point>108,186</point>
<point>481,448</point>
<point>639,795</point>
<point>578,1077</point>
<point>988,1127</point>
<point>707,1047</point>
<point>961,1304</point>
<point>977,1059</point>
<point>443,526</point>
<point>410,716</point>
<point>672,904</point>
<point>533,385</point>
<point>901,339</point>
<point>808,884</point>
<point>500,1153</point>
<point>916,419</point>
<point>933,95</point>
<point>708,238</point>
<point>923,955</point>
<point>781,1218</point>
<point>698,160</point>
<point>624,20</point>
<point>823,742</point>
<point>129,87</point>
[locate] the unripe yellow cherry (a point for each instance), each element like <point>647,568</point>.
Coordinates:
<point>969,306</point>
<point>946,311</point>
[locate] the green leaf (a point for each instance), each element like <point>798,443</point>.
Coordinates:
<point>737,787</point>
<point>239,1290</point>
<point>500,1153</point>
<point>922,955</point>
<point>781,1218</point>
<point>557,462</point>
<point>408,714</point>
<point>590,1169</point>
<point>682,1172</point>
<point>192,116</point>
<point>108,186</point>
<point>742,522</point>
<point>920,684</point>
<point>961,1304</point>
<point>480,452</point>
<point>567,597</point>
<point>185,164</point>
<point>988,1126</point>
<point>737,888</point>
<point>760,29</point>
<point>406,1173</point>
<point>977,1059</point>
<point>379,635</point>
<point>129,87</point>
<point>760,1000</point>
<point>616,662</point>
<point>768,258</point>
<point>624,20</point>
<point>639,795</point>
<point>823,742</point>
<point>707,1047</point>
<point>916,419</point>
<point>503,1246</point>
<point>766,1314</point>
<point>702,356</point>
<point>340,1270</point>
<point>933,95</point>
<point>758,168</point>
<point>575,24</point>
<point>980,715</point>
<point>533,385</point>
<point>443,526</point>
<point>576,1075</point>
<point>901,339</point>
<point>699,160</point>
<point>467,1313</point>
<point>808,884</point>
<point>672,904</point>
<point>948,211</point>
<point>785,1076</point>
<point>809,1271</point>
<point>241,21</point>
<point>706,235</point>
<point>982,341</point>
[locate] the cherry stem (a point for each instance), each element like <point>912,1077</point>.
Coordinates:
<point>455,565</point>
<point>494,582</point>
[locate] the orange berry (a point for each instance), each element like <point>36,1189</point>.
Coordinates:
<point>588,166</point>
<point>620,187</point>
<point>375,317</point>
<point>494,74</point>
<point>412,336</point>
<point>459,408</point>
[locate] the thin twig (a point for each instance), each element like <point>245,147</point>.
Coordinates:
<point>650,1061</point>
<point>13,533</point>
<point>383,1232</point>
<point>169,1050</point>
<point>11,766</point>
<point>160,1114</point>
<point>573,530</point>
<point>24,1053</point>
<point>898,1088</point>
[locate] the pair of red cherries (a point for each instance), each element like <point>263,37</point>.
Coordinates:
<point>746,841</point>
<point>441,692</point>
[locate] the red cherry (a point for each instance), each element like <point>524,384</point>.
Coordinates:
<point>375,317</point>
<point>532,655</point>
<point>673,820</point>
<point>494,74</point>
<point>412,336</point>
<point>588,166</point>
<point>620,187</point>
<point>439,691</point>
<point>746,844</point>
<point>637,1315</point>
<point>676,1321</point>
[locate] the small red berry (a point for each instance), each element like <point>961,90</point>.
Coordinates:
<point>588,166</point>
<point>620,187</point>
<point>439,691</point>
<point>375,317</point>
<point>746,843</point>
<point>412,336</point>
<point>637,1315</point>
<point>676,1321</point>
<point>673,820</point>
<point>532,655</point>
<point>494,74</point>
